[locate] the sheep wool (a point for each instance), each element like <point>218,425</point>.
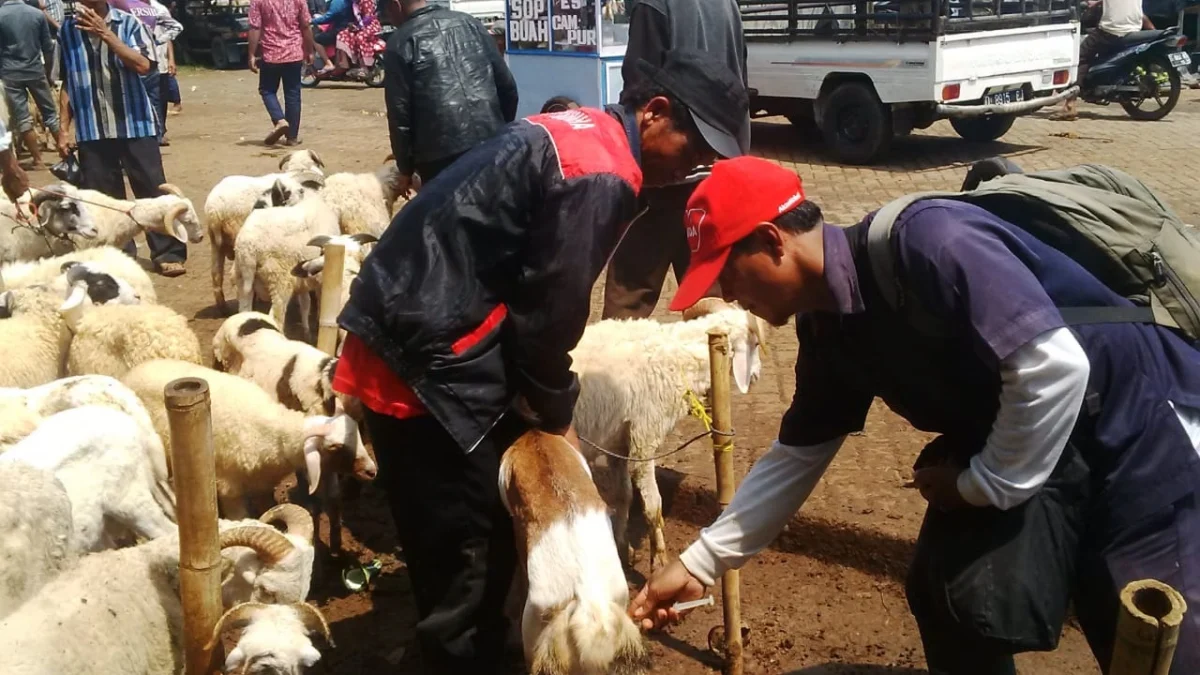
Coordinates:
<point>33,337</point>
<point>35,532</point>
<point>118,221</point>
<point>107,259</point>
<point>112,339</point>
<point>296,374</point>
<point>364,202</point>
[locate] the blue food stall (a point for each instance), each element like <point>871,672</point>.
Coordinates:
<point>571,48</point>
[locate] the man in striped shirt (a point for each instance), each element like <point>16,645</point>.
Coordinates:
<point>105,53</point>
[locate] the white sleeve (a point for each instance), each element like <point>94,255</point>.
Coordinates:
<point>5,138</point>
<point>167,27</point>
<point>1042,385</point>
<point>772,492</point>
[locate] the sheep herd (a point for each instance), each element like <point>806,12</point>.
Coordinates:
<point>89,560</point>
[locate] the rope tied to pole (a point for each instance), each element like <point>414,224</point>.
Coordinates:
<point>695,409</point>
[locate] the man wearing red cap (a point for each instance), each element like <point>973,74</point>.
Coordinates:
<point>1067,461</point>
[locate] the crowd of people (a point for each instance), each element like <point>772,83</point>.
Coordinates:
<point>1067,461</point>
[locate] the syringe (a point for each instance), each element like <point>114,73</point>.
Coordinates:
<point>693,604</point>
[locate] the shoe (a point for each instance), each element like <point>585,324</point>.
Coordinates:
<point>281,128</point>
<point>164,142</point>
<point>1062,116</point>
<point>292,142</point>
<point>172,269</point>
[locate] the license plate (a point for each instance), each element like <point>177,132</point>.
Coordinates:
<point>1010,96</point>
<point>1179,58</point>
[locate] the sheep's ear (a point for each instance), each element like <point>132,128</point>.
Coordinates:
<point>309,656</point>
<point>235,659</point>
<point>312,462</point>
<point>316,158</point>
<point>746,362</point>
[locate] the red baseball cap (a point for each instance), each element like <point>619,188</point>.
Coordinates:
<point>725,208</point>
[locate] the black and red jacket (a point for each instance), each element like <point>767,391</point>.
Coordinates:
<point>481,285</point>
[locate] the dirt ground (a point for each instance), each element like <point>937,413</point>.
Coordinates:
<point>827,598</point>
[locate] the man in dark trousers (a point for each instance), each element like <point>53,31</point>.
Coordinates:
<point>105,53</point>
<point>1067,462</point>
<point>655,241</point>
<point>467,310</point>
<point>448,88</point>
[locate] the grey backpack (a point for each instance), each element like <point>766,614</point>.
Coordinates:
<point>1106,220</point>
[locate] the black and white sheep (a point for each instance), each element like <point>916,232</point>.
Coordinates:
<point>104,259</point>
<point>256,440</point>
<point>58,219</point>
<point>111,339</point>
<point>102,458</point>
<point>273,241</point>
<point>634,381</point>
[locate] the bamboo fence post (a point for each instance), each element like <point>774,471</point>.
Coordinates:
<point>1147,628</point>
<point>331,298</point>
<point>188,413</point>
<point>722,441</point>
<point>327,334</point>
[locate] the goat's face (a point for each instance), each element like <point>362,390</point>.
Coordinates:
<point>61,217</point>
<point>334,444</point>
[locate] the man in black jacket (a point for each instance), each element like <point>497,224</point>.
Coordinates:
<point>656,240</point>
<point>468,308</point>
<point>448,88</point>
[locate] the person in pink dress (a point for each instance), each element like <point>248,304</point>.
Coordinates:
<point>358,39</point>
<point>282,28</point>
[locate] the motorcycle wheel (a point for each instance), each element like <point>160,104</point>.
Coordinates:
<point>308,77</point>
<point>1147,77</point>
<point>376,76</point>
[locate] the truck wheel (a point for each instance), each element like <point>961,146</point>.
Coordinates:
<point>220,55</point>
<point>804,125</point>
<point>982,129</point>
<point>857,126</point>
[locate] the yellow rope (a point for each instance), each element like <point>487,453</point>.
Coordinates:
<point>696,409</point>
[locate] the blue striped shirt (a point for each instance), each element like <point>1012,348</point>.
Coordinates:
<point>108,100</point>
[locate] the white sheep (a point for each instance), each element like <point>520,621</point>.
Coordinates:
<point>574,621</point>
<point>274,639</point>
<point>35,532</point>
<point>22,410</point>
<point>25,236</point>
<point>231,201</point>
<point>251,345</point>
<point>105,259</point>
<point>33,337</point>
<point>634,381</point>
<point>312,269</point>
<point>101,457</point>
<point>118,612</point>
<point>118,221</point>
<point>364,202</point>
<point>273,241</point>
<point>256,441</point>
<point>111,339</point>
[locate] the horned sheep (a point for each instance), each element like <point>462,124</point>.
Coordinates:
<point>104,259</point>
<point>635,379</point>
<point>111,339</point>
<point>257,441</point>
<point>118,221</point>
<point>26,236</point>
<point>232,199</point>
<point>275,639</point>
<point>119,611</point>
<point>273,241</point>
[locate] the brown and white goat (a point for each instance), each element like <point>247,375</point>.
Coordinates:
<point>574,621</point>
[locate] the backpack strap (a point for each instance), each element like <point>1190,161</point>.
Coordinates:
<point>881,251</point>
<point>1085,316</point>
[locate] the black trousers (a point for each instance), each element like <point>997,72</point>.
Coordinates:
<point>105,164</point>
<point>457,539</point>
<point>655,242</point>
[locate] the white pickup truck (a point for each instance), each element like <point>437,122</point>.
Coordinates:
<point>866,72</point>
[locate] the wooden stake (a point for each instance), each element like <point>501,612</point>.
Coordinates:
<point>722,441</point>
<point>331,298</point>
<point>188,413</point>
<point>1147,628</point>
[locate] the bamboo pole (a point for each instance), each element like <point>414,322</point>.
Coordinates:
<point>1147,628</point>
<point>327,333</point>
<point>331,298</point>
<point>188,414</point>
<point>722,441</point>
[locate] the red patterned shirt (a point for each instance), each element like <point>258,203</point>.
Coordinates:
<point>280,22</point>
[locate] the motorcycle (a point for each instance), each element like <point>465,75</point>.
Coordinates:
<point>373,76</point>
<point>1143,74</point>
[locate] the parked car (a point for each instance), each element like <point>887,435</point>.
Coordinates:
<point>215,29</point>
